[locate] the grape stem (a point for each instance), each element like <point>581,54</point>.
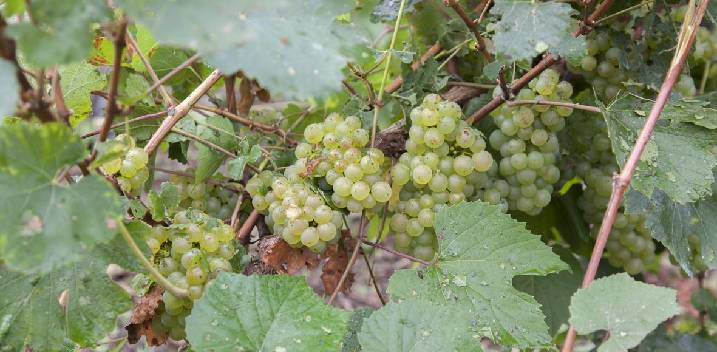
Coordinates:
<point>587,25</point>
<point>386,68</point>
<point>178,112</point>
<point>547,61</point>
<point>622,180</point>
<point>354,255</point>
<point>373,279</point>
<point>472,25</point>
<point>396,253</point>
<point>176,291</point>
<point>613,15</point>
<point>431,52</point>
<point>168,101</point>
<point>172,73</point>
<point>246,121</point>
<point>554,103</point>
<point>152,116</point>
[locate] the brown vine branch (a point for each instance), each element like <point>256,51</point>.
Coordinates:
<point>229,81</point>
<point>172,73</point>
<point>396,253</point>
<point>554,103</point>
<point>373,279</point>
<point>622,180</point>
<point>203,141</point>
<point>247,122</point>
<point>168,101</point>
<point>431,52</point>
<point>244,232</point>
<point>547,61</point>
<point>181,110</point>
<point>63,112</point>
<point>586,26</point>
<point>351,262</point>
<point>152,116</point>
<point>472,25</point>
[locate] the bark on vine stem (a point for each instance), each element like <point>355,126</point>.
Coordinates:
<point>181,110</point>
<point>472,25</point>
<point>622,180</point>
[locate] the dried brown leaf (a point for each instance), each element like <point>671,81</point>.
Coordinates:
<point>142,314</point>
<point>338,255</point>
<point>277,254</point>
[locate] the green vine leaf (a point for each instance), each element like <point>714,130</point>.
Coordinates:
<point>294,49</point>
<point>9,89</point>
<point>63,33</point>
<point>685,229</point>
<point>46,223</point>
<point>417,326</point>
<point>78,81</point>
<point>263,313</point>
<point>626,308</point>
<point>32,315</point>
<point>481,250</point>
<point>529,28</point>
<point>677,160</point>
<point>219,131</point>
<point>353,328</point>
<point>387,10</point>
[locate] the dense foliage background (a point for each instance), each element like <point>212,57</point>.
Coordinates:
<point>379,175</point>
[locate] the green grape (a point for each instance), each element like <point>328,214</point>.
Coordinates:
<point>314,133</point>
<point>381,191</point>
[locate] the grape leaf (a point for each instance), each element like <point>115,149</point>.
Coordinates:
<point>387,10</point>
<point>626,308</point>
<point>529,28</point>
<point>63,33</point>
<point>263,313</point>
<point>676,160</point>
<point>416,326</point>
<point>692,111</point>
<point>481,250</point>
<point>292,48</point>
<point>219,131</point>
<point>32,315</point>
<point>353,328</point>
<point>660,341</point>
<point>9,89</point>
<point>235,167</point>
<point>44,222</point>
<point>77,82</point>
<point>673,224</point>
<point>553,291</point>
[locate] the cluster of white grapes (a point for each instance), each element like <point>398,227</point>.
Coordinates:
<point>629,245</point>
<point>443,158</point>
<point>215,197</point>
<point>131,166</point>
<point>191,251</point>
<point>294,211</point>
<point>527,143</point>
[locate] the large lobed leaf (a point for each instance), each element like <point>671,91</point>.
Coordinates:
<point>673,224</point>
<point>264,313</point>
<point>63,30</point>
<point>9,89</point>
<point>293,48</point>
<point>30,306</point>
<point>481,251</point>
<point>677,159</point>
<point>627,309</point>
<point>45,223</point>
<point>529,28</point>
<point>416,326</point>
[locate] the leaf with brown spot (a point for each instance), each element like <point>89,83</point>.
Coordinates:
<point>276,253</point>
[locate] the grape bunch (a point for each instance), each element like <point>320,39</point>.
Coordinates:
<point>355,173</point>
<point>214,196</point>
<point>443,157</point>
<point>528,146</point>
<point>189,252</point>
<point>294,211</point>
<point>131,166</point>
<point>629,245</point>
